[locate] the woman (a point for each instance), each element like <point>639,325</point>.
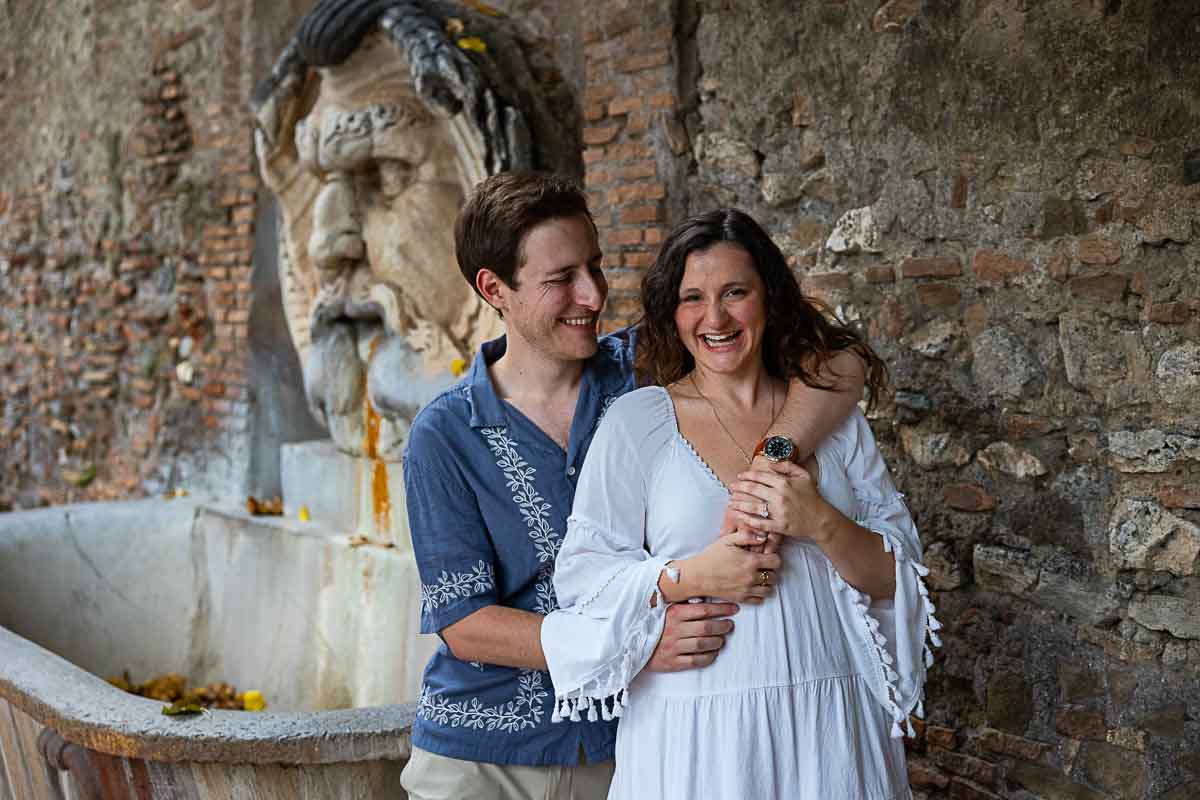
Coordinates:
<point>827,658</point>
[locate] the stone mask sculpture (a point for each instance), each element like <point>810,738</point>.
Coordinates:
<point>371,127</point>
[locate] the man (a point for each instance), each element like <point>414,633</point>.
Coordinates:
<point>490,471</point>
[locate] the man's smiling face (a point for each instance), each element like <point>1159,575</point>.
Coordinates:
<point>559,290</point>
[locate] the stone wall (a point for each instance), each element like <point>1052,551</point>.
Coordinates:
<point>1001,194</point>
<point>1003,197</point>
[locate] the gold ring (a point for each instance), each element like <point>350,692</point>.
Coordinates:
<point>763,577</point>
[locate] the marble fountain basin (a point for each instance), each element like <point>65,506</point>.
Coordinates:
<point>326,630</point>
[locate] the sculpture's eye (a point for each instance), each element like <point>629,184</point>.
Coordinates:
<point>394,176</point>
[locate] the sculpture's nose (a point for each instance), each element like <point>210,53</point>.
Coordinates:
<point>336,241</point>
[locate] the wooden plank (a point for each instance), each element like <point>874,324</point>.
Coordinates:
<point>13,754</point>
<point>379,779</point>
<point>139,778</point>
<point>266,781</point>
<point>43,778</point>
<point>6,791</point>
<point>370,779</point>
<point>319,781</point>
<point>211,781</point>
<point>172,780</point>
<point>359,781</point>
<point>110,775</point>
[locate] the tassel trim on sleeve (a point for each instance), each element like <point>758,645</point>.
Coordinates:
<point>901,723</point>
<point>606,695</point>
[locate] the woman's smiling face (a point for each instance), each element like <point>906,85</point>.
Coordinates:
<point>721,315</point>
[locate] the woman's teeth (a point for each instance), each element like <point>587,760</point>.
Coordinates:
<point>718,339</point>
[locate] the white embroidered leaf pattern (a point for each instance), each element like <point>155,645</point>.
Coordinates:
<point>523,711</point>
<point>533,507</point>
<point>545,600</point>
<point>453,585</point>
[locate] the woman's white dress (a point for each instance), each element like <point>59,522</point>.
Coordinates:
<point>807,697</point>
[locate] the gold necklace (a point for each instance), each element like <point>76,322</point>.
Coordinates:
<point>717,417</point>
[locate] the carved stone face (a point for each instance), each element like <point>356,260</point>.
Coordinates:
<point>369,184</point>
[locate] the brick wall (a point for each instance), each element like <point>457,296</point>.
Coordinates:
<point>125,244</point>
<point>227,248</point>
<point>629,102</point>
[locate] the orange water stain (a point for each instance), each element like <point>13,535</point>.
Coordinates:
<point>381,502</point>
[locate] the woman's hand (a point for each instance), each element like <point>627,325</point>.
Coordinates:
<point>732,523</point>
<point>725,569</point>
<point>789,495</point>
<point>795,508</point>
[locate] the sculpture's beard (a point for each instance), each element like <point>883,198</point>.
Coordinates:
<point>363,380</point>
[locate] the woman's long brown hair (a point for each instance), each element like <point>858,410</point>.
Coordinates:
<point>800,336</point>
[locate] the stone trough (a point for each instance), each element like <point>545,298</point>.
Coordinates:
<point>326,630</point>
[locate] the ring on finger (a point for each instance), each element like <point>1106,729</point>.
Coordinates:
<point>764,577</point>
<point>766,512</point>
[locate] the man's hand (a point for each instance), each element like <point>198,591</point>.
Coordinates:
<point>693,634</point>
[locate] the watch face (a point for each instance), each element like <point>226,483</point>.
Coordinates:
<point>778,448</point>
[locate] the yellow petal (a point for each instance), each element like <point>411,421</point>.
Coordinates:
<point>472,43</point>
<point>304,515</point>
<point>458,366</point>
<point>253,700</point>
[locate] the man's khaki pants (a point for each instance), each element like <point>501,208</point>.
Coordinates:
<point>429,776</point>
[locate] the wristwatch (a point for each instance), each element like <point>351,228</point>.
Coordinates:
<point>777,448</point>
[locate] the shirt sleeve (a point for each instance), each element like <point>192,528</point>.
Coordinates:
<point>894,630</point>
<point>455,557</point>
<point>606,628</point>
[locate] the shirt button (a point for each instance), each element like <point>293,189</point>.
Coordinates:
<point>570,470</point>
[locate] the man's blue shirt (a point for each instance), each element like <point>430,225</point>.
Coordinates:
<point>488,496</point>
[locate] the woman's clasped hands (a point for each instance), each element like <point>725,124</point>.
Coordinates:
<point>788,495</point>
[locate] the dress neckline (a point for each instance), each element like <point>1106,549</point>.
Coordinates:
<point>687,445</point>
<point>822,467</point>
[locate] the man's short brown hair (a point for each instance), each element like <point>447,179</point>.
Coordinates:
<point>502,209</point>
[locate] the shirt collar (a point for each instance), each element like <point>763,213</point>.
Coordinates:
<point>600,376</point>
<point>486,409</point>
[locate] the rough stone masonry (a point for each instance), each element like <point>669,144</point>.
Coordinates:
<point>1003,194</point>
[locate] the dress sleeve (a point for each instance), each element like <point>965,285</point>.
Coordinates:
<point>611,612</point>
<point>894,631</point>
<point>455,557</point>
